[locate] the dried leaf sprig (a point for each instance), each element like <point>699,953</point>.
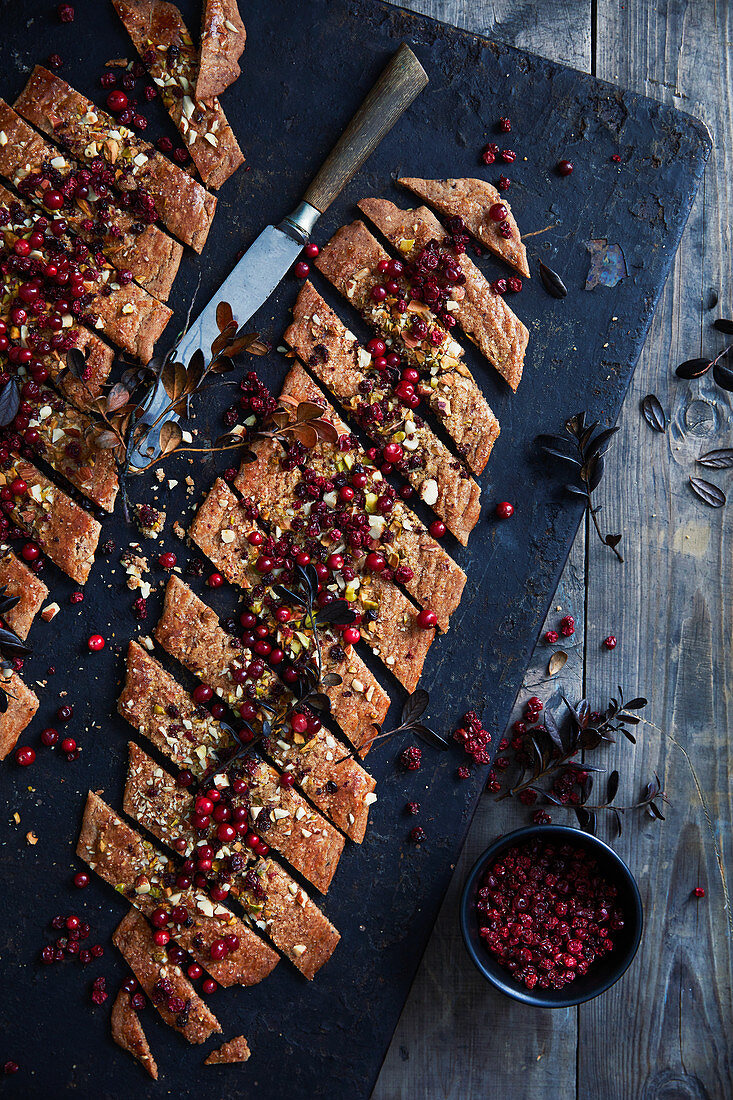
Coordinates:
<point>584,447</point>
<point>552,751</point>
<point>11,646</point>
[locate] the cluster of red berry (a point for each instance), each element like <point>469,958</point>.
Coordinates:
<point>546,912</point>
<point>70,943</point>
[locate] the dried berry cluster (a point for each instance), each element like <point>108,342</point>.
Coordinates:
<point>547,913</point>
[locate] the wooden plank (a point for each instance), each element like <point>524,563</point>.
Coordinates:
<point>456,1030</point>
<point>456,1033</point>
<point>670,606</point>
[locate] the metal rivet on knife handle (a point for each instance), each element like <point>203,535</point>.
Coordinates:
<point>394,91</point>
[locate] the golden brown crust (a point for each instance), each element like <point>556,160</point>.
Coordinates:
<point>223,36</point>
<point>22,705</point>
<point>20,581</point>
<point>133,866</point>
<point>67,534</point>
<point>129,316</point>
<point>132,319</point>
<point>272,901</point>
<point>182,204</point>
<point>151,256</point>
<point>437,582</point>
<point>483,315</point>
<point>188,1015</point>
<point>350,262</point>
<point>190,631</point>
<point>163,712</point>
<point>63,429</point>
<point>355,708</point>
<point>128,1033</point>
<point>471,200</point>
<point>208,136</point>
<point>439,479</point>
<point>394,634</point>
<point>236,1050</point>
<point>99,359</point>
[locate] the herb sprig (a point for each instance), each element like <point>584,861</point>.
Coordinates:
<point>553,750</point>
<point>584,447</point>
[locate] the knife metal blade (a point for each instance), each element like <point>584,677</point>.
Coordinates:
<point>250,284</point>
<point>270,257</point>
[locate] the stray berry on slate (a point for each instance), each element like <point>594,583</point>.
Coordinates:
<point>616,158</point>
<point>215,580</point>
<point>413,808</point>
<point>65,13</point>
<point>504,183</point>
<point>567,626</point>
<point>698,892</point>
<point>564,167</point>
<point>499,286</point>
<point>55,62</point>
<point>301,270</point>
<point>417,834</point>
<point>508,156</point>
<point>504,510</point>
<point>95,643</point>
<point>81,879</point>
<point>411,758</point>
<point>514,284</point>
<point>489,153</point>
<point>551,636</point>
<point>610,642</point>
<point>311,250</point>
<point>505,125</point>
<point>464,772</point>
<point>24,756</point>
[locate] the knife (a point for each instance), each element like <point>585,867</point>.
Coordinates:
<point>273,253</point>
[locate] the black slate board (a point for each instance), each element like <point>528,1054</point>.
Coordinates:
<point>306,69</point>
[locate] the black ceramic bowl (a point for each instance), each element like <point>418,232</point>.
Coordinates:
<point>604,972</point>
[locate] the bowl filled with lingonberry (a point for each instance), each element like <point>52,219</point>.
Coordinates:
<point>551,916</point>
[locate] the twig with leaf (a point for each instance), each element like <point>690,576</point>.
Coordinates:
<point>553,752</point>
<point>412,711</point>
<point>584,447</point>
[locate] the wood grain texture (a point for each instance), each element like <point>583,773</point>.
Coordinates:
<point>670,605</point>
<point>664,1030</point>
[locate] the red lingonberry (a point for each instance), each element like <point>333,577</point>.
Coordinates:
<point>411,758</point>
<point>699,892</point>
<point>610,642</point>
<point>551,636</point>
<point>417,834</point>
<point>413,808</point>
<point>564,167</point>
<point>504,510</point>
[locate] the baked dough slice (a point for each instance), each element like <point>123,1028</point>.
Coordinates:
<point>223,36</point>
<point>236,1050</point>
<point>164,43</point>
<point>471,200</point>
<point>127,1032</point>
<point>483,315</point>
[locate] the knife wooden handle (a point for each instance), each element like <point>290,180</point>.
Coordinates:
<point>394,91</point>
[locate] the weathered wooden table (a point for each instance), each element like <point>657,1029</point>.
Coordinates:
<point>666,1030</point>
